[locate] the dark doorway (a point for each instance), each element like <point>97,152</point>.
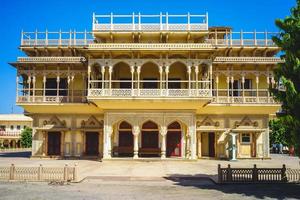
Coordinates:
<point>92,143</point>
<point>211,144</point>
<point>174,83</point>
<point>150,138</point>
<point>54,143</point>
<point>125,83</point>
<point>173,143</point>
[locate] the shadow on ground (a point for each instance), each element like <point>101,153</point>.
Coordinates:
<point>23,154</point>
<point>259,191</point>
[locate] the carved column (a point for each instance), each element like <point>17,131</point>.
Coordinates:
<point>108,130</point>
<point>138,70</point>
<point>29,87</point>
<point>132,80</point>
<point>189,70</point>
<point>136,132</point>
<point>102,76</point>
<point>167,79</point>
<point>231,82</point>
<point>217,87</point>
<point>233,146</point>
<point>160,78</point>
<point>197,76</point>
<point>110,74</point>
<point>228,82</point>
<point>257,82</point>
<point>243,87</point>
<point>163,132</point>
<point>192,142</point>
<point>44,88</point>
<point>57,88</point>
<point>33,88</point>
<point>89,76</point>
<point>210,78</point>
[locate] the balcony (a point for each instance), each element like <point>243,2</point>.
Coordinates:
<point>40,96</point>
<point>10,133</point>
<point>247,60</point>
<point>149,23</point>
<point>51,59</point>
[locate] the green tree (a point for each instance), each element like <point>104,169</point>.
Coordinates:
<point>26,137</point>
<point>287,74</point>
<point>280,132</point>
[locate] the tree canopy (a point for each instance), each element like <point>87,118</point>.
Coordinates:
<point>287,74</point>
<point>26,137</point>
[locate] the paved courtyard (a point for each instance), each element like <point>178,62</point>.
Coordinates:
<point>146,167</point>
<point>145,179</point>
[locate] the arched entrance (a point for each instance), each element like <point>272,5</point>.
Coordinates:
<point>125,140</point>
<point>174,140</point>
<point>150,140</point>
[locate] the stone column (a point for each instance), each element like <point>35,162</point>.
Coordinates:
<point>160,78</point>
<point>33,88</point>
<point>167,79</point>
<point>197,76</point>
<point>44,88</point>
<point>163,132</point>
<point>210,79</point>
<point>110,74</point>
<point>57,88</point>
<point>243,87</point>
<point>108,130</point>
<point>231,82</point>
<point>132,79</point>
<point>138,70</point>
<point>228,82</point>
<point>217,88</point>
<point>234,147</point>
<point>257,82</point>
<point>89,77</point>
<point>29,88</point>
<point>192,141</point>
<point>102,76</point>
<point>189,70</point>
<point>136,132</point>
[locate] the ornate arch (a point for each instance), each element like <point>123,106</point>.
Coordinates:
<point>92,122</point>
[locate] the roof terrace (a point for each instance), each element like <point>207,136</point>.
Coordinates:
<point>148,23</point>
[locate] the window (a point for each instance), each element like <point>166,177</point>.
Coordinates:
<point>18,127</point>
<point>25,126</point>
<point>2,127</point>
<point>246,138</point>
<point>51,87</point>
<point>11,127</point>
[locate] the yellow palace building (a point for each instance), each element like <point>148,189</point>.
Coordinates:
<point>148,86</point>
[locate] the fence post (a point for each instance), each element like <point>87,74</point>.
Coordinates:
<point>40,172</point>
<point>254,174</point>
<point>229,174</point>
<point>12,171</point>
<point>75,173</point>
<point>283,174</point>
<point>219,174</point>
<point>66,172</point>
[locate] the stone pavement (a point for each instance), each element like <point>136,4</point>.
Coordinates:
<point>146,167</point>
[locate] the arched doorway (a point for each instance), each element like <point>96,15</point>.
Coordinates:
<point>149,76</point>
<point>125,140</point>
<point>174,140</point>
<point>150,140</point>
<point>121,77</point>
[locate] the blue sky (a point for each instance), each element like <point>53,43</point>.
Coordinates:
<point>53,15</point>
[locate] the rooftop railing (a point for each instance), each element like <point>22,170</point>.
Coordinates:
<point>139,22</point>
<point>84,39</point>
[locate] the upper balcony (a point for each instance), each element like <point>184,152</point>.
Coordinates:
<point>149,23</point>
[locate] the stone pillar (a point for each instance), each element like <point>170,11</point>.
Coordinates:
<point>192,142</point>
<point>102,76</point>
<point>197,76</point>
<point>243,87</point>
<point>217,88</point>
<point>107,141</point>
<point>160,78</point>
<point>132,79</point>
<point>231,82</point>
<point>257,82</point>
<point>29,87</point>
<point>233,146</point>
<point>210,79</point>
<point>33,88</point>
<point>163,132</point>
<point>57,88</point>
<point>138,70</point>
<point>136,132</point>
<point>228,82</point>
<point>167,79</point>
<point>44,88</point>
<point>189,70</point>
<point>110,74</point>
